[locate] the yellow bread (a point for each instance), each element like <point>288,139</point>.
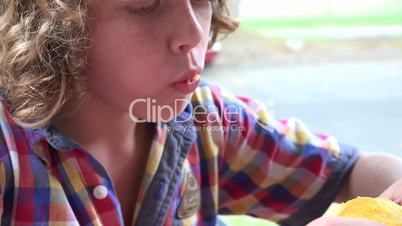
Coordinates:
<point>197,77</point>
<point>375,209</point>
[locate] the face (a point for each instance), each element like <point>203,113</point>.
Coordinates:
<point>141,48</point>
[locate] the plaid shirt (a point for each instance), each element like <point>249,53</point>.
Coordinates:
<point>223,155</point>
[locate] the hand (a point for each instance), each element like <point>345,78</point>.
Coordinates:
<point>394,192</point>
<point>336,221</point>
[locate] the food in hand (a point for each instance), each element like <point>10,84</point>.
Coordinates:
<point>374,209</point>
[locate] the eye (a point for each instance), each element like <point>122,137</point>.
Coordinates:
<point>144,10</point>
<point>205,2</point>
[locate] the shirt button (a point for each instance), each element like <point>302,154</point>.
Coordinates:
<point>100,192</point>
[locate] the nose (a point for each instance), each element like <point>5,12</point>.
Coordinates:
<point>187,33</point>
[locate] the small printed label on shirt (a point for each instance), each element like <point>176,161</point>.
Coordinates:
<point>191,200</point>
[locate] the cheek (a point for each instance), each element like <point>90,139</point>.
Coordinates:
<point>108,52</point>
<point>119,81</point>
<point>118,55</point>
<point>206,21</point>
<point>118,42</point>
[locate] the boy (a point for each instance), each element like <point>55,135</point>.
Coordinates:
<point>98,129</point>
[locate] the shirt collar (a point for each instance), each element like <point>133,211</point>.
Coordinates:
<point>57,139</point>
<point>182,124</point>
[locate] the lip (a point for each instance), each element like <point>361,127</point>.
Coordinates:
<point>188,82</point>
<point>189,75</point>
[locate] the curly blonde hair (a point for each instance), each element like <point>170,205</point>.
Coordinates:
<point>43,52</point>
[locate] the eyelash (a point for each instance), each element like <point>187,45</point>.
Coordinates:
<point>146,10</point>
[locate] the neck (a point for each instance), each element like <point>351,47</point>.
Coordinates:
<point>98,125</point>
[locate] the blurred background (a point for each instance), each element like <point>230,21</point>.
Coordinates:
<point>336,65</point>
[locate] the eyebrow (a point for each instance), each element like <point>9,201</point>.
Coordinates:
<point>132,1</point>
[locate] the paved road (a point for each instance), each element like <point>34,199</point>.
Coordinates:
<point>359,102</point>
<point>311,8</point>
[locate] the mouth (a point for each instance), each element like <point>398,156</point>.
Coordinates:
<point>188,84</point>
<point>190,75</point>
<point>193,79</point>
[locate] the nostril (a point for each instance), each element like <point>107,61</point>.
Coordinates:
<point>185,48</point>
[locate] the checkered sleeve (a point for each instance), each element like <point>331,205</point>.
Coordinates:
<point>276,169</point>
<point>6,188</point>
<point>5,172</point>
<point>2,185</point>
